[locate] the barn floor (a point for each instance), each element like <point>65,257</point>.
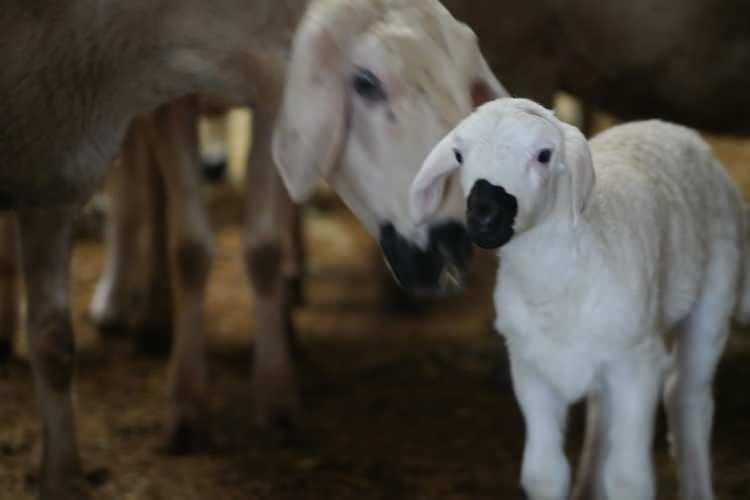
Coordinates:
<point>412,406</point>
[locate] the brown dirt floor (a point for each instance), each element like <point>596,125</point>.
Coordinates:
<point>411,406</point>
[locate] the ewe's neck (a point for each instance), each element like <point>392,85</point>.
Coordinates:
<point>222,46</point>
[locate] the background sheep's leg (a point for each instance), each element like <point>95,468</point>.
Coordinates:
<point>46,238</point>
<point>110,305</point>
<point>10,276</point>
<point>688,394</point>
<point>545,473</point>
<point>294,268</point>
<point>133,294</point>
<point>190,249</point>
<point>589,484</point>
<point>269,213</point>
<point>155,319</point>
<point>630,399</point>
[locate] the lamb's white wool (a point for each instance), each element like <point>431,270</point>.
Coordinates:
<point>615,243</point>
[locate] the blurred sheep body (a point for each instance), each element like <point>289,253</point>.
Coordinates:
<point>687,62</point>
<point>422,28</point>
<point>606,247</point>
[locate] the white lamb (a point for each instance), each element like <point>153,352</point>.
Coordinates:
<point>592,281</point>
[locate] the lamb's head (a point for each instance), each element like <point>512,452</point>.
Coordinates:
<point>519,167</point>
<point>373,85</point>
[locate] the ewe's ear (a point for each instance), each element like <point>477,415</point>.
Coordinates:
<point>577,158</point>
<point>486,87</point>
<point>426,192</point>
<point>311,126</point>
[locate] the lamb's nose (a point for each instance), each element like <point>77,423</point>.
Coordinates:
<point>490,213</point>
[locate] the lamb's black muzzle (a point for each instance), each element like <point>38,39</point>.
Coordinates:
<point>490,214</point>
<point>440,268</point>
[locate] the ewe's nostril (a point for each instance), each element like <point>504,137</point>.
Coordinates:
<point>486,213</point>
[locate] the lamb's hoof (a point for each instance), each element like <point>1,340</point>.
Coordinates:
<point>154,341</point>
<point>185,438</point>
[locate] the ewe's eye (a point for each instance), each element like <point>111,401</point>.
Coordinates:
<point>544,156</point>
<point>368,86</point>
<point>459,156</point>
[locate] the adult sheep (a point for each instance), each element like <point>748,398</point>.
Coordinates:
<point>373,85</point>
<point>687,62</point>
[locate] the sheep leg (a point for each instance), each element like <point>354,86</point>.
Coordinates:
<point>189,254</point>
<point>133,294</point>
<point>269,211</point>
<point>589,485</point>
<point>46,239</point>
<point>294,253</point>
<point>688,392</point>
<point>154,319</point>
<point>630,398</point>
<point>9,284</point>
<point>112,300</point>
<point>545,472</point>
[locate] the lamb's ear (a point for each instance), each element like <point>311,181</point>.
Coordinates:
<point>311,125</point>
<point>577,158</point>
<point>426,192</point>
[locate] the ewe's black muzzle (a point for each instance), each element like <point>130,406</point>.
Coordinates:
<point>441,268</point>
<point>490,214</point>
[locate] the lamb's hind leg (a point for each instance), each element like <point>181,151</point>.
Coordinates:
<point>190,249</point>
<point>9,284</point>
<point>689,393</point>
<point>46,239</point>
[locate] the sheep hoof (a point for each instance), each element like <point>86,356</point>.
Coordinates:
<point>6,351</point>
<point>110,326</point>
<point>70,487</point>
<point>187,438</point>
<point>295,287</point>
<point>278,411</point>
<point>154,341</point>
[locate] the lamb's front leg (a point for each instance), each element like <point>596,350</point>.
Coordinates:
<point>46,240</point>
<point>632,385</point>
<point>545,473</point>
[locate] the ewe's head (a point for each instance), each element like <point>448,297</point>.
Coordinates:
<point>373,86</point>
<point>519,166</point>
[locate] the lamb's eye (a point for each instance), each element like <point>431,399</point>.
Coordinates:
<point>368,86</point>
<point>544,156</point>
<point>459,156</point>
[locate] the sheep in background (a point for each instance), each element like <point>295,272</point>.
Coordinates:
<point>599,264</point>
